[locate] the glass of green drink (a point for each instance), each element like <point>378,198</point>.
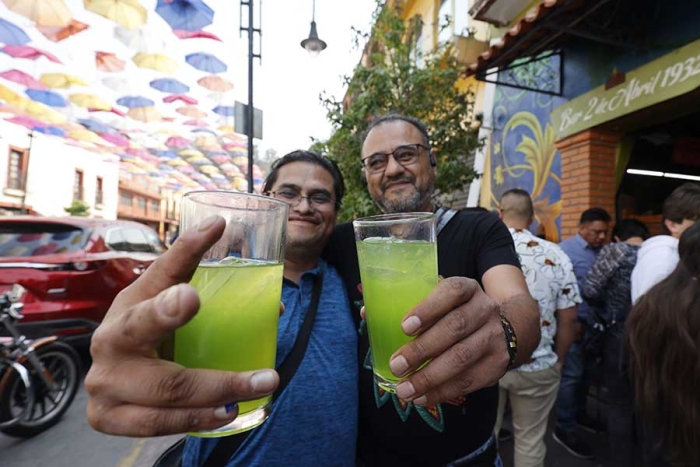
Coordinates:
<point>239,282</point>
<point>398,268</point>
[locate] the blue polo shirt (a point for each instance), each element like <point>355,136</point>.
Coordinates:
<point>314,421</point>
<point>582,257</point>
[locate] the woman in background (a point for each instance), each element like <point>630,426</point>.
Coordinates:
<point>664,344</point>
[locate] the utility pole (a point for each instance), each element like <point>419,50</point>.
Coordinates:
<point>25,176</point>
<point>251,30</point>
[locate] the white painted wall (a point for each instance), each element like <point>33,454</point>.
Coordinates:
<point>51,172</point>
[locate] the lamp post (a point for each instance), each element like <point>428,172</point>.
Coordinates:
<point>251,31</point>
<point>313,44</point>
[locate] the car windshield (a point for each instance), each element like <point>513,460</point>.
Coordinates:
<point>26,239</point>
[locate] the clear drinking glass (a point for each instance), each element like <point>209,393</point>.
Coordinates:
<point>239,282</point>
<point>398,268</point>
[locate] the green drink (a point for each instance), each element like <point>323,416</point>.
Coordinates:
<point>396,275</point>
<point>236,327</point>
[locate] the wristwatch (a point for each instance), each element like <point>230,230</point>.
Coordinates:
<point>511,341</point>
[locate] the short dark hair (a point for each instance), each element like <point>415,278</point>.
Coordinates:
<point>312,158</point>
<point>683,203</point>
<point>593,215</point>
<point>396,117</point>
<point>628,228</point>
<point>526,210</point>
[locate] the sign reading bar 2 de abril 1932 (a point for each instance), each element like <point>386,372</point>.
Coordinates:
<point>667,77</point>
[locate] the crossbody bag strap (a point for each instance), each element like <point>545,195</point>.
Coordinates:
<point>444,215</point>
<point>227,446</point>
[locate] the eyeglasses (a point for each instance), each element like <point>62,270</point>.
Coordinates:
<point>405,155</point>
<point>320,200</point>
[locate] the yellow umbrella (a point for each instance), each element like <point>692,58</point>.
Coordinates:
<point>209,169</point>
<point>191,153</point>
<point>9,96</point>
<point>128,13</point>
<point>158,62</point>
<point>42,12</point>
<point>85,135</point>
<point>61,80</point>
<point>89,101</point>
<point>176,162</point>
<point>144,114</point>
<point>225,129</point>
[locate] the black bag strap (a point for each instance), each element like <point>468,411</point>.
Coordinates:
<point>444,215</point>
<point>228,445</point>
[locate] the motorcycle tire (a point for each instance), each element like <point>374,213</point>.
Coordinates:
<point>63,363</point>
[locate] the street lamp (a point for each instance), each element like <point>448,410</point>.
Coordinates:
<point>313,44</point>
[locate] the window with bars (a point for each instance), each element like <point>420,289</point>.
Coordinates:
<point>126,199</point>
<point>78,188</point>
<point>99,194</point>
<point>17,168</point>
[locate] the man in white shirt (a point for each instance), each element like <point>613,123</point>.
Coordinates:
<point>532,388</point>
<point>658,256</point>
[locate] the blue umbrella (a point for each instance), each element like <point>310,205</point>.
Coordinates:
<point>49,98</point>
<point>51,130</point>
<point>12,34</point>
<point>166,154</point>
<point>169,85</point>
<point>206,62</point>
<point>225,110</point>
<point>204,130</point>
<point>190,15</point>
<point>135,101</point>
<point>94,125</point>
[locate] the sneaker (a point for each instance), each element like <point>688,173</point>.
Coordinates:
<point>572,444</point>
<point>590,424</point>
<point>504,435</point>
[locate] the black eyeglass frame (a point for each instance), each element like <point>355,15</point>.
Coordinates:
<point>393,154</point>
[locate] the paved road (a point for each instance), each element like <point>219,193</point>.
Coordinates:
<point>73,443</point>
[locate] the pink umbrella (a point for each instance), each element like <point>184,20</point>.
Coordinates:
<point>197,123</point>
<point>177,142</point>
<point>182,34</point>
<point>113,110</point>
<point>116,139</point>
<point>180,97</point>
<point>27,122</point>
<point>30,53</point>
<point>20,77</point>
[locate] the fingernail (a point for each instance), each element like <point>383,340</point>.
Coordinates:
<point>405,390</point>
<point>224,412</point>
<point>169,301</point>
<point>410,325</point>
<point>207,223</point>
<point>398,365</point>
<point>422,400</point>
<point>263,381</point>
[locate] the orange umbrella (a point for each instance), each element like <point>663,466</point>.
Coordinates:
<point>42,12</point>
<point>144,114</point>
<point>58,33</point>
<point>191,111</point>
<point>108,62</point>
<point>215,83</point>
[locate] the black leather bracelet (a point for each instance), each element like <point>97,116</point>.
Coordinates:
<point>511,341</point>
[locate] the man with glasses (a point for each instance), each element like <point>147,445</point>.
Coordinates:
<point>444,413</point>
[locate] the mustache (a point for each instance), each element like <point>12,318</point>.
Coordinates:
<point>402,178</point>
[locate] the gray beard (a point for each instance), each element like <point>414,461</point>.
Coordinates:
<point>413,203</point>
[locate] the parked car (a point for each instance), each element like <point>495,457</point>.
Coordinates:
<point>72,268</point>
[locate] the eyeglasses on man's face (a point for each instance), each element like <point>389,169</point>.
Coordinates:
<point>405,155</point>
<point>319,200</point>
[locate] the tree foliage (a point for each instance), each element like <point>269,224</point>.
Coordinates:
<point>396,76</point>
<point>78,208</point>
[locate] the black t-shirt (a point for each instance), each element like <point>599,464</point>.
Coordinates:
<point>392,431</point>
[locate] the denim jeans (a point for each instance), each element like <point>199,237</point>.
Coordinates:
<point>571,400</point>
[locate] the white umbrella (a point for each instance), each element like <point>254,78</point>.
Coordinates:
<point>141,39</point>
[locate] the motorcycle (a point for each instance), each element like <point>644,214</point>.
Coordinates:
<point>39,378</point>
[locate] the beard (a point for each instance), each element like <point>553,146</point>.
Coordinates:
<point>415,201</point>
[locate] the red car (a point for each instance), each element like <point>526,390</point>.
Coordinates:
<point>72,268</point>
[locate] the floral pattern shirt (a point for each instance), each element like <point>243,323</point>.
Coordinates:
<point>550,278</point>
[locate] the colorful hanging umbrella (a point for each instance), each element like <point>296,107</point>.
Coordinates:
<point>20,77</point>
<point>215,83</point>
<point>180,97</point>
<point>85,135</point>
<point>144,114</point>
<point>42,12</point>
<point>59,33</point>
<point>158,62</point>
<point>141,39</point>
<point>96,126</point>
<point>89,101</point>
<point>116,138</point>
<point>182,34</point>
<point>27,122</point>
<point>177,142</point>
<point>128,13</point>
<point>206,62</point>
<point>112,110</point>
<point>30,53</point>
<point>105,61</point>
<point>169,85</point>
<point>193,153</point>
<point>224,110</point>
<point>12,34</point>
<point>191,111</point>
<point>135,101</point>
<point>49,98</point>
<point>61,80</point>
<point>51,130</point>
<point>190,15</point>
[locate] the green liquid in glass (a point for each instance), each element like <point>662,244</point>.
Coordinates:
<point>236,326</point>
<point>396,276</point>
